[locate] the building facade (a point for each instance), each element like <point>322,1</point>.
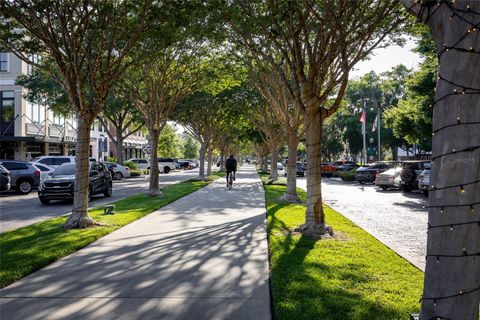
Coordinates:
<point>27,127</point>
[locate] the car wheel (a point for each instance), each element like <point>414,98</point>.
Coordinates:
<point>361,181</point>
<point>166,170</point>
<point>118,176</point>
<point>44,201</point>
<point>384,188</point>
<point>24,186</point>
<point>108,191</point>
<point>425,192</point>
<point>406,188</point>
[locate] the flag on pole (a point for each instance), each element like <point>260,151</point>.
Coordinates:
<point>375,123</point>
<point>363,118</point>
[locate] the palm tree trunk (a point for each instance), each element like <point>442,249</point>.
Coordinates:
<point>79,217</point>
<point>154,183</point>
<point>291,191</point>
<point>265,163</point>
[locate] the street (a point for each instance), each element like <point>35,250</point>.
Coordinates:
<point>395,218</point>
<point>21,210</point>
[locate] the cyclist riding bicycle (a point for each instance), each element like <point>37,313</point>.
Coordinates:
<point>231,165</point>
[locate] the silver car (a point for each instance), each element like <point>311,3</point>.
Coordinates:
<point>46,171</point>
<point>424,181</point>
<point>389,179</point>
<point>117,170</point>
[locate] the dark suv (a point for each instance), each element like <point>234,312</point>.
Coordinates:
<point>61,183</point>
<point>24,176</point>
<point>4,179</point>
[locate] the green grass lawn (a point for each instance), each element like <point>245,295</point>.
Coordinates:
<point>352,276</point>
<point>27,249</point>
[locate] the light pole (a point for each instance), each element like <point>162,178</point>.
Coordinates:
<point>371,147</point>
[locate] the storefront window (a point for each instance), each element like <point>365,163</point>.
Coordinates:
<point>3,61</point>
<point>7,105</point>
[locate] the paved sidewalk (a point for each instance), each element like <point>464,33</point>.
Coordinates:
<point>204,256</point>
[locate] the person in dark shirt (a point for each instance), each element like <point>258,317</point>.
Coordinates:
<point>231,165</point>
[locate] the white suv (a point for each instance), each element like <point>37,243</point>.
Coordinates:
<point>167,163</point>
<point>54,161</point>
<point>144,164</point>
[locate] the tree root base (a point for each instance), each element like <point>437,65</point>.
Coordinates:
<point>155,193</point>
<point>315,230</point>
<point>82,223</point>
<point>290,198</point>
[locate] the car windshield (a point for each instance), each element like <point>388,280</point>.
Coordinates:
<point>66,169</point>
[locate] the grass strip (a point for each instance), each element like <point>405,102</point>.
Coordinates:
<point>351,276</point>
<point>27,249</point>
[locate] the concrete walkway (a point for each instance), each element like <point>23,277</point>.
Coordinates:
<point>204,256</point>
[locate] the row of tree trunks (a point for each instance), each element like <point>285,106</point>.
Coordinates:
<point>291,191</point>
<point>210,160</point>
<point>273,166</point>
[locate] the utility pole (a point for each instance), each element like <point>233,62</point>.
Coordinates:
<point>379,121</point>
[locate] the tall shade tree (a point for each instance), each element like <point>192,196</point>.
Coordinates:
<point>320,41</point>
<point>88,41</point>
<point>452,274</point>
<point>272,135</point>
<point>280,102</point>
<point>121,119</point>
<point>198,114</point>
<point>156,88</point>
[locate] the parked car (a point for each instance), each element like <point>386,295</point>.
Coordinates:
<point>45,170</point>
<point>177,164</point>
<point>186,164</point>
<point>281,169</point>
<point>60,184</point>
<point>4,179</point>
<point>424,181</point>
<point>389,178</point>
<point>301,169</point>
<point>195,162</point>
<point>167,163</point>
<point>411,171</point>
<point>141,163</point>
<point>327,169</point>
<point>368,173</point>
<point>24,176</point>
<point>117,170</point>
<point>345,165</point>
<point>54,161</point>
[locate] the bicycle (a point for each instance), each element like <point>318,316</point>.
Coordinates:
<point>230,180</point>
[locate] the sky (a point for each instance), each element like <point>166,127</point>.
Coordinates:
<point>384,59</point>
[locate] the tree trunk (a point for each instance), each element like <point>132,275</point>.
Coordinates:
<point>154,185</point>
<point>314,217</point>
<point>265,163</point>
<point>452,273</point>
<point>79,217</point>
<point>201,171</point>
<point>273,166</point>
<point>210,159</point>
<point>119,147</point>
<point>291,192</point>
<point>222,160</point>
